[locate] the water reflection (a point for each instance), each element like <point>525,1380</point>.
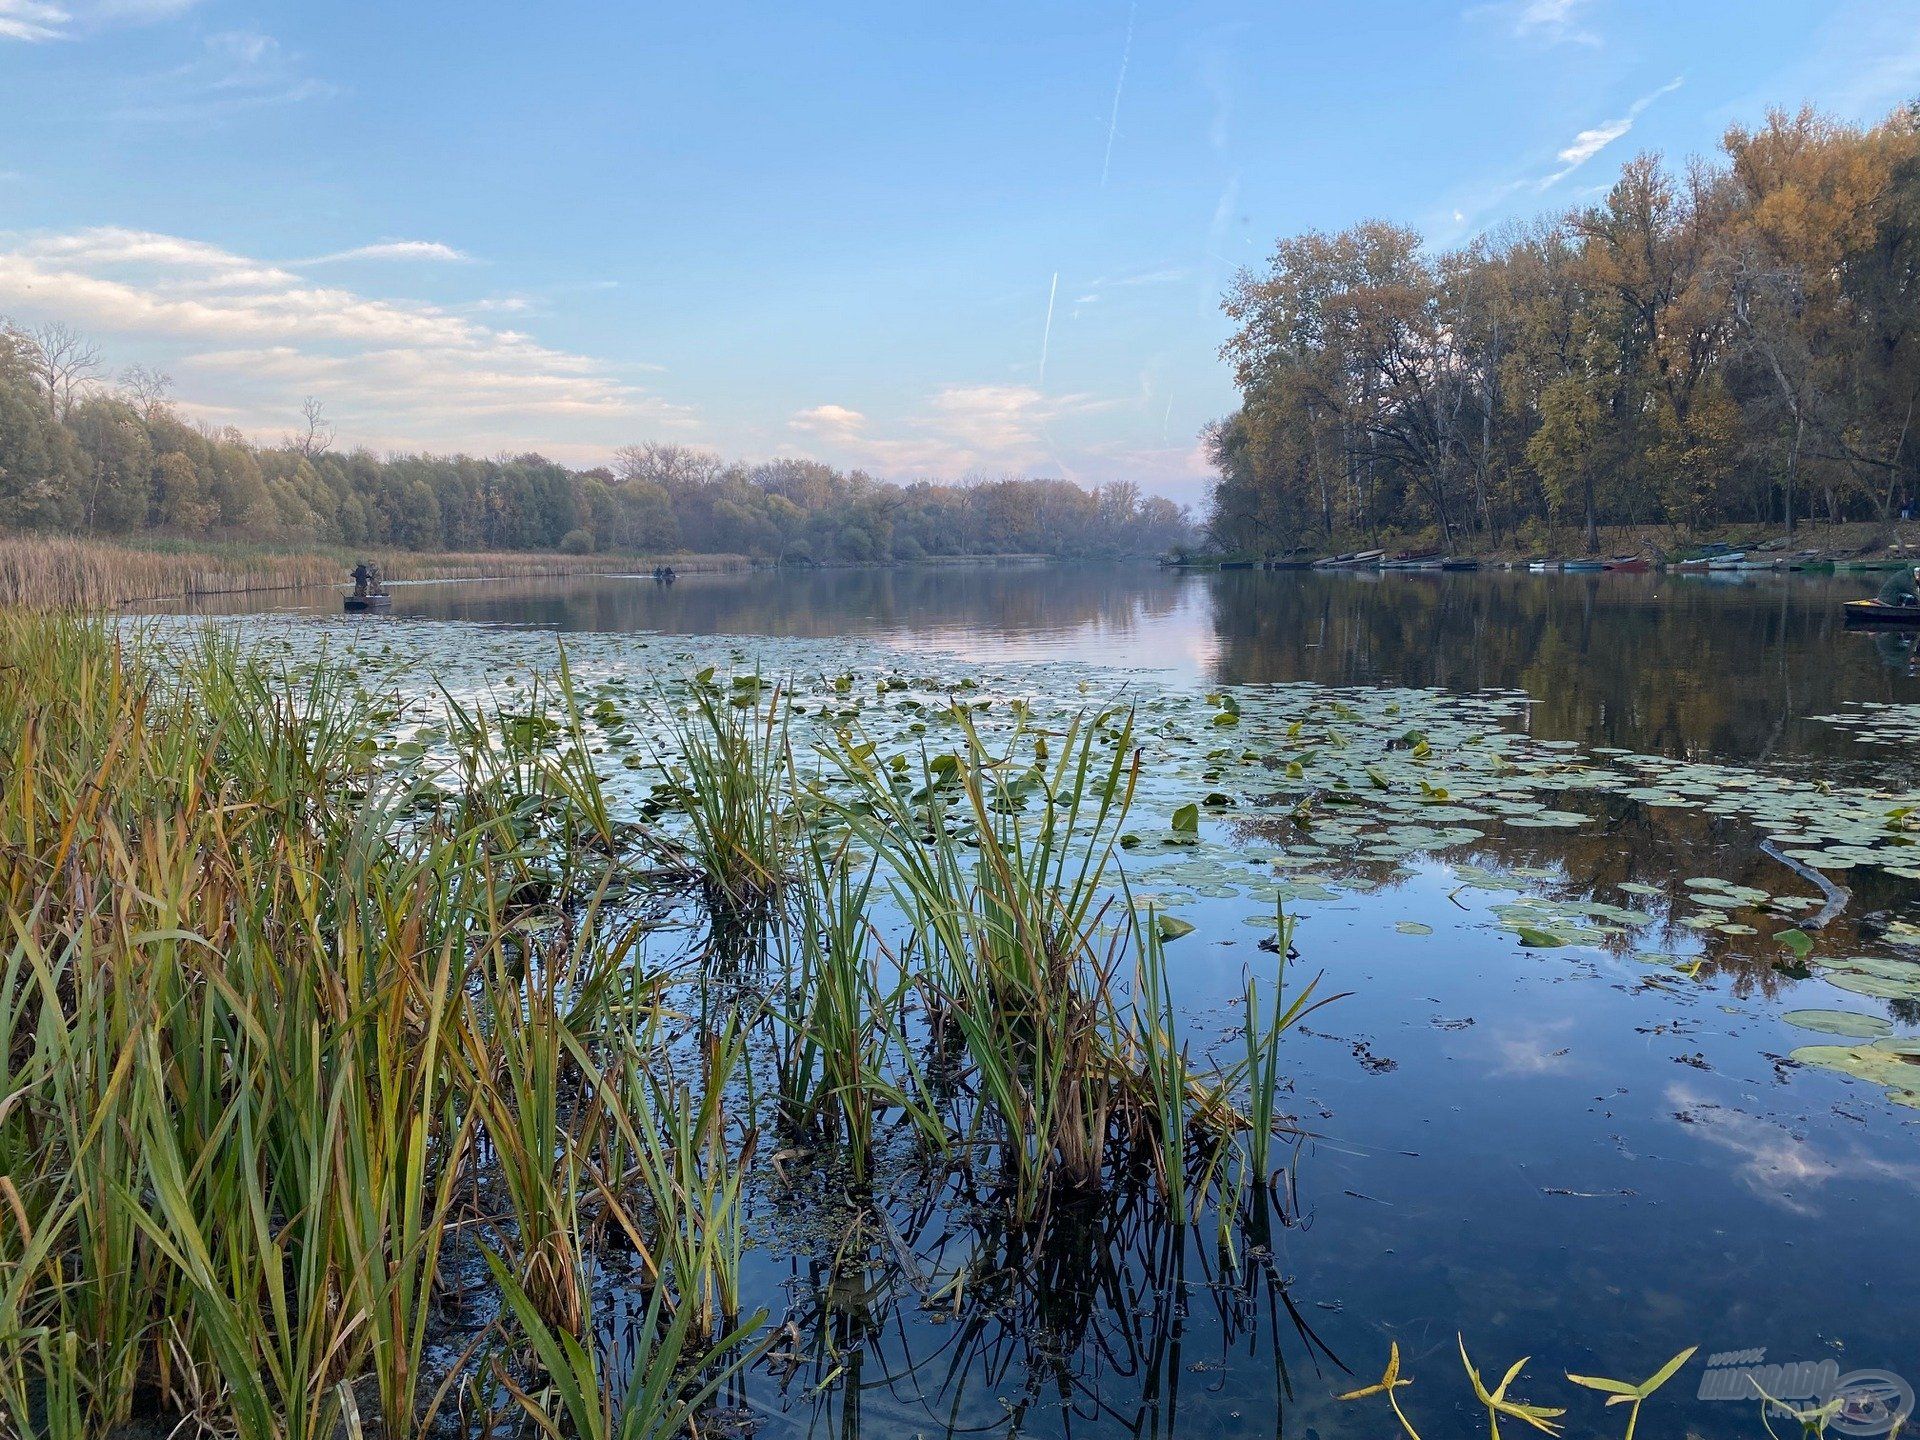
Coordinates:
<point>1667,664</point>
<point>1567,1152</point>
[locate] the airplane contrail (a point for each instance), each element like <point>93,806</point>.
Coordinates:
<point>1046,335</point>
<point>1119,84</point>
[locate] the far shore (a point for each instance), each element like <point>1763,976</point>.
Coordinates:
<point>56,572</point>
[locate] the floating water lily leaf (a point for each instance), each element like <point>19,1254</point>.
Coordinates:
<point>1537,939</point>
<point>1798,941</point>
<point>1186,820</point>
<point>1172,927</point>
<point>1413,927</point>
<point>1878,1062</point>
<point>1840,1022</point>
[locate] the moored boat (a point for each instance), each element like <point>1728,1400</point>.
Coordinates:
<point>1873,612</point>
<point>369,602</point>
<point>1583,565</point>
<point>1629,563</point>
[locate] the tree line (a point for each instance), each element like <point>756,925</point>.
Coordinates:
<point>1735,342</point>
<point>82,456</point>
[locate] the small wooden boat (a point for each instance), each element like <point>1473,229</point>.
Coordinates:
<point>1630,563</point>
<point>369,602</point>
<point>1333,562</point>
<point>1359,560</point>
<point>1872,612</point>
<point>1541,567</point>
<point>1462,563</point>
<point>1583,565</point>
<point>1733,560</point>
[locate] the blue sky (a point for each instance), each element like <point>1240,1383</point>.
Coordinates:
<point>924,239</point>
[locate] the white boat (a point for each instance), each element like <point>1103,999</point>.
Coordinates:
<point>1734,561</point>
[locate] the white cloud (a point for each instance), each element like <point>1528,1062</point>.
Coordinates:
<point>957,430</point>
<point>257,335</point>
<point>1590,142</point>
<point>395,250</point>
<point>834,421</point>
<point>36,20</point>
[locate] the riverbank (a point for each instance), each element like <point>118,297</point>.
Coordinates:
<point>1854,542</point>
<point>52,573</point>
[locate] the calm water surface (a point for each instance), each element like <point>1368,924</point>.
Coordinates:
<point>1561,1153</point>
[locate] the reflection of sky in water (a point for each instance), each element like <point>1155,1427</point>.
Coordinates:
<point>1569,1152</point>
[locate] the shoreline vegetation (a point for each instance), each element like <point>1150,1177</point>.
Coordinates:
<point>49,572</point>
<point>45,572</point>
<point>311,1039</point>
<point>1732,342</point>
<point>83,455</point>
<point>1852,544</point>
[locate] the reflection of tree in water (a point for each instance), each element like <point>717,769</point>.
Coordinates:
<point>1631,842</point>
<point>1664,664</point>
<point>1009,602</point>
<point>947,1320</point>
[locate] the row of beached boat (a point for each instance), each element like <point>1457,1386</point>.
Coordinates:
<point>1709,557</point>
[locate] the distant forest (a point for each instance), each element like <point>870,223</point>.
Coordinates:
<point>1738,342</point>
<point>85,457</point>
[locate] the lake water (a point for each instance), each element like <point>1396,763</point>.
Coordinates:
<point>1595,1151</point>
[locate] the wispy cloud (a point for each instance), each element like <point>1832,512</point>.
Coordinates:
<point>1552,21</point>
<point>236,70</point>
<point>1119,84</point>
<point>1046,333</point>
<point>33,21</point>
<point>394,250</point>
<point>1862,62</point>
<point>1590,142</point>
<point>261,335</point>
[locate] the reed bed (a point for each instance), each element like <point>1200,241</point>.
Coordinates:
<point>279,1027</point>
<point>299,1035</point>
<point>57,573</point>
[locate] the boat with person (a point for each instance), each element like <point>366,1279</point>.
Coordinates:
<point>1878,612</point>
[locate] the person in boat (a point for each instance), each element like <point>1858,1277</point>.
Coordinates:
<point>363,579</point>
<point>1899,589</point>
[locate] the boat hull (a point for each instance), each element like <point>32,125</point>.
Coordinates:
<point>1872,612</point>
<point>368,602</point>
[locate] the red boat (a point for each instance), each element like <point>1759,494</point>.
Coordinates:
<point>1629,562</point>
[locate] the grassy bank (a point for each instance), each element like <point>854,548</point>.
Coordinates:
<point>344,1093</point>
<point>53,573</point>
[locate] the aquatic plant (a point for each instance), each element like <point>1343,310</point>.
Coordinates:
<point>262,996</point>
<point>1390,1381</point>
<point>729,772</point>
<point>658,1398</point>
<point>1540,1417</point>
<point>1620,1392</point>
